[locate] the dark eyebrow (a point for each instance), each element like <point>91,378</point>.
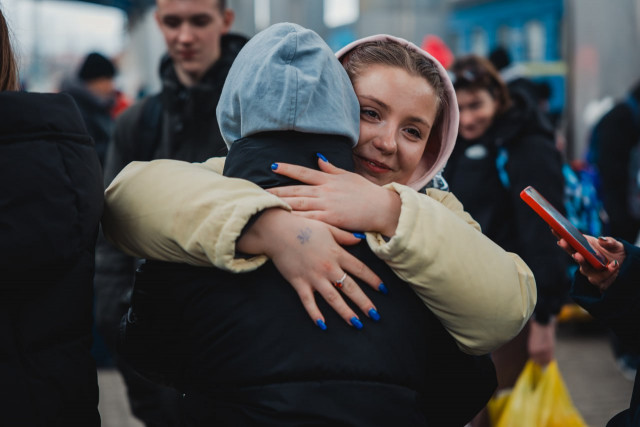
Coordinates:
<point>386,108</point>
<point>201,16</point>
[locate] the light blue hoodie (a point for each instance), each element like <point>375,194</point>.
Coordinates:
<point>287,78</point>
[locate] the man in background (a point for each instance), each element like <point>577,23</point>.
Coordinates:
<point>177,123</point>
<point>93,89</point>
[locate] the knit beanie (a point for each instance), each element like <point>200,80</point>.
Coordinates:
<point>95,66</point>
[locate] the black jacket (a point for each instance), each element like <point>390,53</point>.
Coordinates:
<point>611,143</point>
<point>533,160</point>
<point>243,350</point>
<point>618,308</point>
<point>50,206</point>
<point>180,123</point>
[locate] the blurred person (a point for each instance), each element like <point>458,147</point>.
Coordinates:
<point>515,76</point>
<point>288,372</point>
<point>179,122</point>
<point>613,137</point>
<point>612,140</point>
<point>496,127</point>
<point>51,205</point>
<point>612,296</point>
<point>93,89</point>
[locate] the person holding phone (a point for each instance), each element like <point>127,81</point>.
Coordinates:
<point>612,295</point>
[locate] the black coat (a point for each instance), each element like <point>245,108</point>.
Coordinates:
<point>243,351</point>
<point>533,159</point>
<point>618,308</point>
<point>50,206</point>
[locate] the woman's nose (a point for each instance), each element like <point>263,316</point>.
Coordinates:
<point>386,142</point>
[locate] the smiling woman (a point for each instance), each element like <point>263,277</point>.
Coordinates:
<point>401,96</point>
<point>394,126</point>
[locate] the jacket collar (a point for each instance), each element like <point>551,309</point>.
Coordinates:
<point>195,101</point>
<point>251,158</point>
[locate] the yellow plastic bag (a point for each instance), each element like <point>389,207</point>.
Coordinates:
<point>538,399</point>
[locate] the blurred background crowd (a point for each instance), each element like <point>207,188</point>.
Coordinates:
<point>578,50</point>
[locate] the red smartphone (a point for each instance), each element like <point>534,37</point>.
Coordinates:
<point>563,227</point>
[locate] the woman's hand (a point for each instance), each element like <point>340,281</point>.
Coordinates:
<point>542,341</point>
<point>340,198</point>
<point>309,256</point>
<point>612,249</point>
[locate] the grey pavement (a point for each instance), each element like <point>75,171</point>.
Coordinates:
<point>598,389</point>
<point>584,356</point>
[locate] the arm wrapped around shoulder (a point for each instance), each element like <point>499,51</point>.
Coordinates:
<point>169,210</point>
<point>482,294</point>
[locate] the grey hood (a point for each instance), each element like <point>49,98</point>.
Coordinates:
<point>287,78</point>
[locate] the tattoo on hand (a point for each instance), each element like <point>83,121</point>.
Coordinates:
<point>304,235</point>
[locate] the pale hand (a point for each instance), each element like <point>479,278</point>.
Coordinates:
<point>340,198</point>
<point>542,341</point>
<point>612,249</point>
<point>309,256</point>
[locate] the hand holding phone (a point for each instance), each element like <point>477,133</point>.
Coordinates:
<point>561,225</point>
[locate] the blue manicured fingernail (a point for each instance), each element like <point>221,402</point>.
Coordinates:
<point>356,322</point>
<point>373,313</point>
<point>360,235</point>
<point>321,157</point>
<point>382,288</point>
<point>274,166</point>
<point>321,324</point>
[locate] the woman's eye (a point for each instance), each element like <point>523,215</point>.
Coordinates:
<point>369,113</point>
<point>414,132</point>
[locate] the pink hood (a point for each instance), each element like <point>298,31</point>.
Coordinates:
<point>434,158</point>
